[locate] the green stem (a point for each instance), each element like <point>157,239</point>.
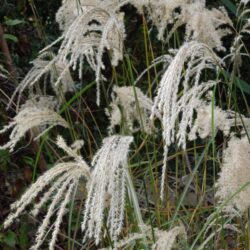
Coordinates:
<point>134,200</point>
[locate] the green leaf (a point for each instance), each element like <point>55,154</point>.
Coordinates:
<point>23,237</point>
<point>4,159</point>
<point>13,22</point>
<point>10,239</point>
<point>78,94</point>
<point>244,86</point>
<point>11,37</point>
<point>230,5</point>
<point>28,160</point>
<point>241,84</point>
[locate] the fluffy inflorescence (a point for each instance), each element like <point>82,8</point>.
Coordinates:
<point>95,28</point>
<point>210,119</point>
<point>161,13</point>
<point>92,27</point>
<point>57,186</point>
<point>199,21</point>
<point>69,10</point>
<point>165,240</point>
<point>174,108</point>
<point>107,188</point>
<point>202,22</point>
<point>130,105</point>
<point>33,114</point>
<point>45,68</point>
<point>235,174</point>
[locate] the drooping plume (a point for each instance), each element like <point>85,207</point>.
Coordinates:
<point>35,113</point>
<point>107,188</point>
<point>45,69</point>
<point>69,11</point>
<point>175,107</point>
<point>97,26</point>
<point>57,186</point>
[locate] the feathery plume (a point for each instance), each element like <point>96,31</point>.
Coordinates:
<point>63,178</point>
<point>97,28</point>
<point>202,22</point>
<point>235,173</point>
<point>130,105</point>
<point>172,108</point>
<point>203,123</point>
<point>165,240</point>
<point>162,13</point>
<point>45,67</point>
<point>199,21</point>
<point>69,10</point>
<point>223,120</point>
<point>131,238</point>
<point>107,188</point>
<point>34,113</point>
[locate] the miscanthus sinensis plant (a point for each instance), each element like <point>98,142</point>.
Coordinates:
<point>189,119</point>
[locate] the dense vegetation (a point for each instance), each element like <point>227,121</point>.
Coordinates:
<point>141,110</point>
